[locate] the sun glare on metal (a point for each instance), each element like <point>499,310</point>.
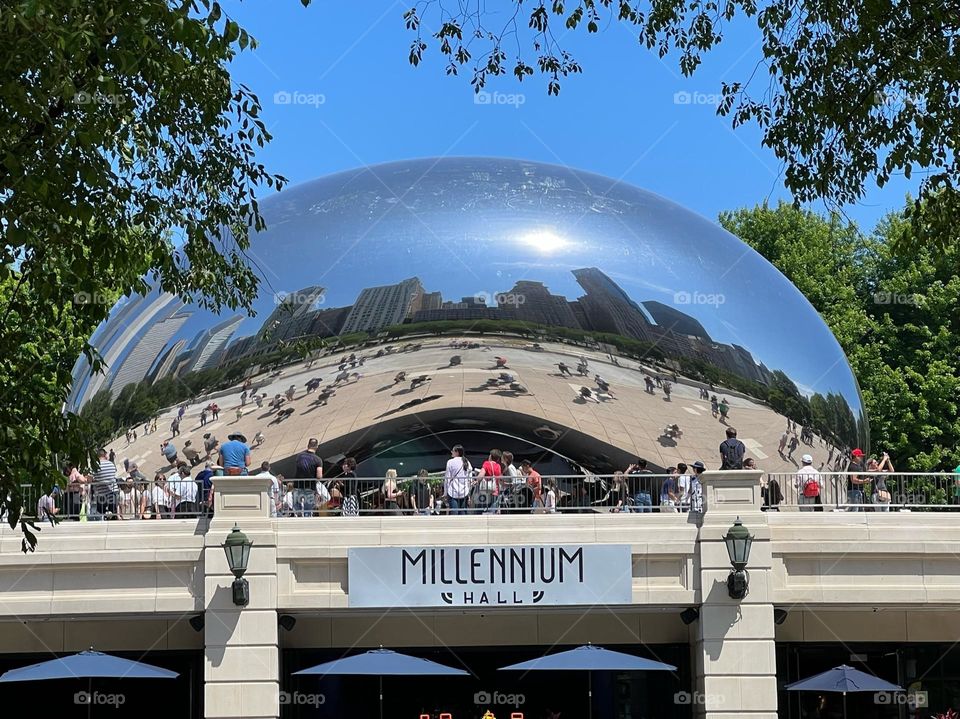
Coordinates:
<point>544,241</point>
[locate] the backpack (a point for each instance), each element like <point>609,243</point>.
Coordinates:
<point>731,452</point>
<point>811,487</point>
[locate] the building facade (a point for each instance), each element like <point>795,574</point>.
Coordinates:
<point>878,589</point>
<point>379,307</point>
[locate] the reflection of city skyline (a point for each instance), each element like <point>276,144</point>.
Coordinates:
<point>151,351</point>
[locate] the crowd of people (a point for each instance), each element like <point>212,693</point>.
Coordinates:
<point>497,484</point>
<point>108,494</point>
<point>859,484</point>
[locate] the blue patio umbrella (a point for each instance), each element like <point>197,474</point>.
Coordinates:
<point>589,658</point>
<point>845,680</point>
<point>382,662</point>
<point>88,665</point>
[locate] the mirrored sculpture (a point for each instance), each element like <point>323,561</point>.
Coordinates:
<point>625,327</point>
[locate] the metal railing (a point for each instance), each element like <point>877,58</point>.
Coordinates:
<point>100,501</point>
<point>628,494</point>
<point>863,491</point>
<point>615,493</point>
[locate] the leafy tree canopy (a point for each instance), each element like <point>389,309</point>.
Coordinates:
<point>126,151</point>
<point>896,316</point>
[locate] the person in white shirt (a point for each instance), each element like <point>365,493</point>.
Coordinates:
<point>289,502</point>
<point>183,489</point>
<point>275,491</point>
<point>128,501</point>
<point>809,484</point>
<point>457,481</point>
<point>160,499</point>
<point>513,481</point>
<point>550,498</point>
<point>684,485</point>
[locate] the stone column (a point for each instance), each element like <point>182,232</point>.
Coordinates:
<point>242,663</point>
<point>734,657</point>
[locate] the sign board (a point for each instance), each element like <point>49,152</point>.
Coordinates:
<point>488,576</point>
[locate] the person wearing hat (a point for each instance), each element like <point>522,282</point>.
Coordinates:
<point>235,455</point>
<point>855,481</point>
<point>809,484</point>
<point>190,452</point>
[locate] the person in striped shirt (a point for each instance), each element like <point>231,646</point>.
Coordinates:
<point>105,486</point>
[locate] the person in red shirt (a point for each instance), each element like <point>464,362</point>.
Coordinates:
<point>488,482</point>
<point>534,483</point>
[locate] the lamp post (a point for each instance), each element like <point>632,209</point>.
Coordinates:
<point>738,540</point>
<point>237,548</point>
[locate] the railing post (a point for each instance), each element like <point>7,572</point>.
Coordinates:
<point>242,662</point>
<point>733,641</point>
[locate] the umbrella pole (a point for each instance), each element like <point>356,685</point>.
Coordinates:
<point>589,694</point>
<point>381,696</point>
<point>89,696</point>
<point>844,706</point>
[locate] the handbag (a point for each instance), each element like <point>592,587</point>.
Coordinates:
<point>323,494</point>
<point>883,495</point>
<point>350,506</point>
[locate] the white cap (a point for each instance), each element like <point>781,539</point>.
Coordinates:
<point>806,459</point>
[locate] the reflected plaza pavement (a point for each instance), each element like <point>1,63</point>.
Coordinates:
<point>551,410</point>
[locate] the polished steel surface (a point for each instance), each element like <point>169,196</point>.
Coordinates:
<point>498,244</point>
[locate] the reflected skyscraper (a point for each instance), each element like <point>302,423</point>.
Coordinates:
<point>293,315</point>
<point>134,366</point>
<point>116,341</point>
<point>608,308</point>
<point>678,322</point>
<point>379,307</point>
<point>533,302</point>
<point>206,346</point>
<point>164,365</point>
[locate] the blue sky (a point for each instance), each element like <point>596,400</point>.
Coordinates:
<point>355,100</point>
